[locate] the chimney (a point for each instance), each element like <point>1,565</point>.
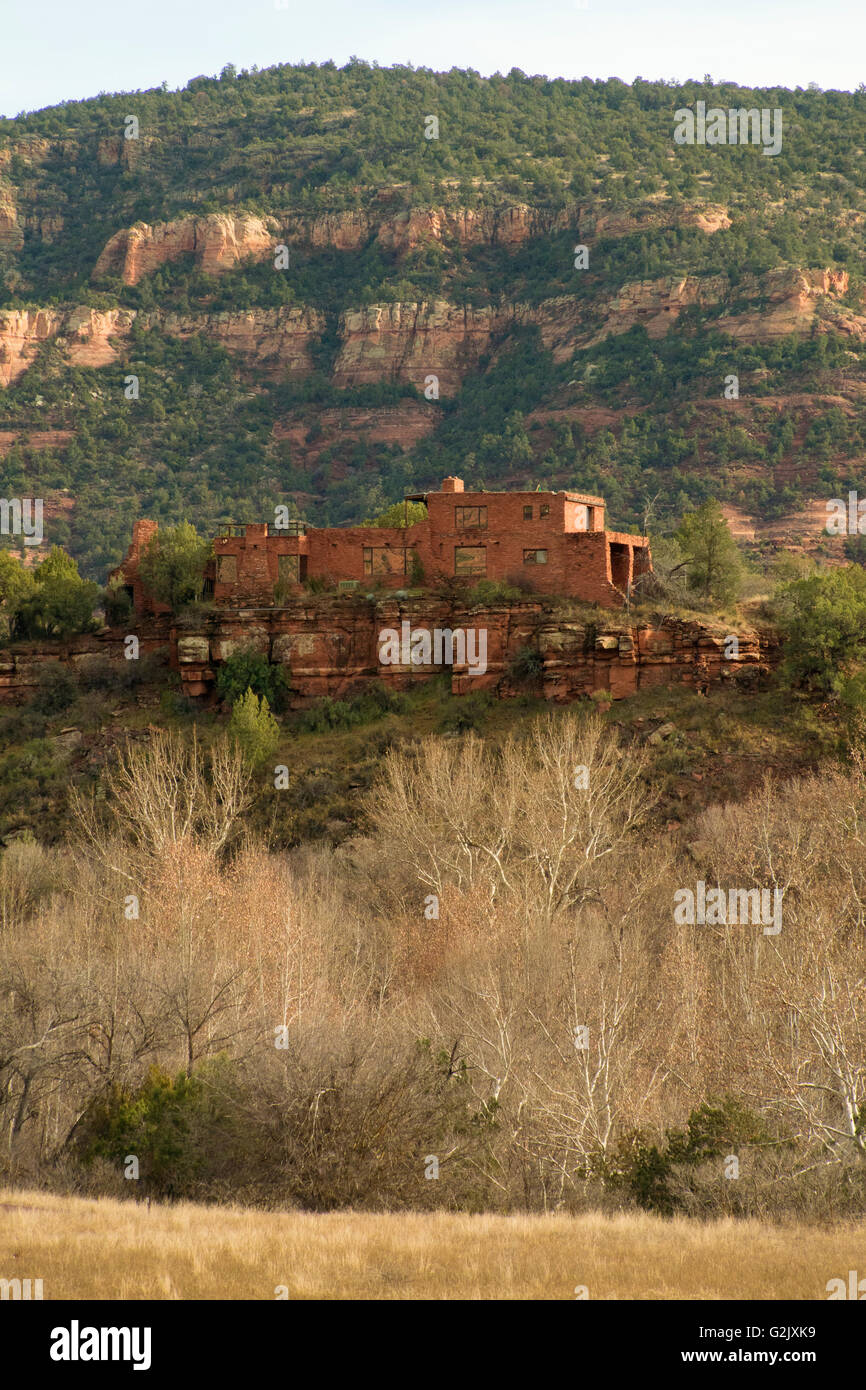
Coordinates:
<point>142,531</point>
<point>452,484</point>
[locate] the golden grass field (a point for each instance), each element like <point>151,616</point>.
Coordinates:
<point>121,1250</point>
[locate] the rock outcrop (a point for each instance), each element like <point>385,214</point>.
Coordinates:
<point>220,241</point>
<point>332,646</point>
<point>790,300</point>
<point>11,233</point>
<point>22,664</point>
<point>279,338</point>
<point>22,333</point>
<point>413,341</point>
<point>402,424</point>
<point>217,242</point>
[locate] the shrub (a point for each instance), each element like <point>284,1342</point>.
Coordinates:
<point>117,605</point>
<point>317,584</point>
<point>647,1170</point>
<point>526,665</point>
<point>248,669</point>
<point>109,675</point>
<point>374,702</point>
<point>823,622</point>
<point>467,713</point>
<point>175,1126</point>
<point>254,728</point>
<point>59,603</point>
<point>56,689</point>
<point>491,591</point>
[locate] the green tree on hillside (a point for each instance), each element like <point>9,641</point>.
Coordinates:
<point>823,623</point>
<point>172,566</point>
<point>57,602</point>
<point>713,560</point>
<point>254,728</point>
<point>401,514</point>
<point>16,584</point>
<point>247,669</point>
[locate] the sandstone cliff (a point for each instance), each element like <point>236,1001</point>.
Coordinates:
<point>331,646</point>
<point>411,341</point>
<point>217,242</point>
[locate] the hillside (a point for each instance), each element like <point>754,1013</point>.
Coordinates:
<point>407,258</point>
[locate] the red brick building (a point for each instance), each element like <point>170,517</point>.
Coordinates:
<point>557,539</point>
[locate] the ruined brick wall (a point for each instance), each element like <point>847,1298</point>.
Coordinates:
<point>128,571</point>
<point>553,541</point>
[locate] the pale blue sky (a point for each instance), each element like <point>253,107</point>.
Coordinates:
<point>57,50</point>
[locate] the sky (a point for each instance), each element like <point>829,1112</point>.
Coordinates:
<point>61,50</point>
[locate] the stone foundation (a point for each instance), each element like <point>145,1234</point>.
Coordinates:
<point>331,647</point>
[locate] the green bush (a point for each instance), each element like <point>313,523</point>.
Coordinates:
<point>248,669</point>
<point>526,665</point>
<point>172,567</point>
<point>488,592</point>
<point>175,1126</point>
<point>58,603</point>
<point>374,702</point>
<point>823,624</point>
<point>466,713</point>
<point>254,728</point>
<point>651,1173</point>
<point>56,689</point>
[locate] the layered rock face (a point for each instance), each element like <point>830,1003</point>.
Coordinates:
<point>11,233</point>
<point>281,338</point>
<point>21,666</point>
<point>332,647</point>
<point>22,332</point>
<point>220,241</point>
<point>403,425</point>
<point>217,242</point>
<point>407,341</point>
<point>413,341</point>
<point>95,337</point>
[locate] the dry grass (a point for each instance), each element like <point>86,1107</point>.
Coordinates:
<point>119,1250</point>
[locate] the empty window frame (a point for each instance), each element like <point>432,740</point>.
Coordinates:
<point>470,560</point>
<point>527,513</point>
<point>470,518</point>
<point>288,568</point>
<point>378,560</point>
<point>535,557</point>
